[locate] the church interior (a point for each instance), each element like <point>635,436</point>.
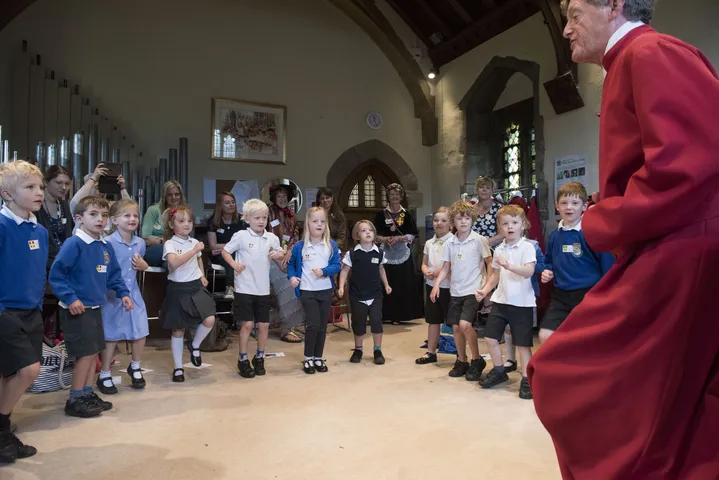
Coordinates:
<point>360,95</point>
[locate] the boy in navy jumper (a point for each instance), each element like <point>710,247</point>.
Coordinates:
<point>23,255</point>
<point>84,270</point>
<point>574,267</point>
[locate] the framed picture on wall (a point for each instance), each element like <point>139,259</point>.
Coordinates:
<point>248,131</point>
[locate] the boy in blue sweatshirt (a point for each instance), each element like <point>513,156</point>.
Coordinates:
<point>84,270</point>
<point>23,255</point>
<point>570,262</point>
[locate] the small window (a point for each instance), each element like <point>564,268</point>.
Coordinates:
<point>369,192</point>
<point>353,201</point>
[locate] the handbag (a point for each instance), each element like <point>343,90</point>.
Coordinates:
<point>55,370</point>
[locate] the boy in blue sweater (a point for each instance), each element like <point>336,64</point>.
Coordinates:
<point>570,262</point>
<point>84,270</point>
<point>23,255</point>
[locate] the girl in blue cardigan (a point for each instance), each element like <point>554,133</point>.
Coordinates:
<point>315,261</point>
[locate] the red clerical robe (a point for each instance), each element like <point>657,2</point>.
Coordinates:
<point>628,386</point>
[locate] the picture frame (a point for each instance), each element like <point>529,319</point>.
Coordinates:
<point>245,131</point>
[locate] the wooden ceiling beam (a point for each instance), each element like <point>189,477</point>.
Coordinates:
<point>461,11</point>
<point>440,24</point>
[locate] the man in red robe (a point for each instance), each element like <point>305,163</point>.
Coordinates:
<point>628,387</point>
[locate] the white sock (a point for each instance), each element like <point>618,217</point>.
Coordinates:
<point>135,365</point>
<point>178,345</point>
<point>318,362</point>
<point>202,332</point>
<point>136,371</point>
<point>309,359</point>
<point>104,375</point>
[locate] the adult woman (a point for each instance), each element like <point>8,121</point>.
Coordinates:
<point>396,230</point>
<point>55,214</point>
<point>336,220</point>
<point>283,223</point>
<point>487,208</point>
<point>152,231</point>
<point>224,222</point>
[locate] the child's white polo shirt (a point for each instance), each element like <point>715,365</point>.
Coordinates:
<point>467,260</point>
<point>188,271</point>
<point>434,249</point>
<point>253,251</point>
<point>315,256</point>
<point>514,289</point>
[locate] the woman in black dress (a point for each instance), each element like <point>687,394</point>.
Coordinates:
<point>55,214</point>
<point>396,230</point>
<point>221,226</point>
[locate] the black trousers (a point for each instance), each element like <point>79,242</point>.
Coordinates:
<point>317,306</point>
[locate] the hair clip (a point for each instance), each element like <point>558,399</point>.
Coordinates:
<point>173,212</point>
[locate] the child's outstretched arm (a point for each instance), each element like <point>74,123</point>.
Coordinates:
<point>441,275</point>
<point>175,261</point>
<point>489,284</point>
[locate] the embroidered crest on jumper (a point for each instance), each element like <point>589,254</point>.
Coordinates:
<point>577,249</point>
<point>33,244</point>
<point>107,258</point>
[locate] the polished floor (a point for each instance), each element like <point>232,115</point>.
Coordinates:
<point>358,421</point>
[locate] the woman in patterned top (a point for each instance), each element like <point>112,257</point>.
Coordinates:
<point>487,208</point>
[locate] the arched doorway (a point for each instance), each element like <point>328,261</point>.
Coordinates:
<point>363,193</point>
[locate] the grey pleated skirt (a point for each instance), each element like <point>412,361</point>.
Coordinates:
<point>186,305</point>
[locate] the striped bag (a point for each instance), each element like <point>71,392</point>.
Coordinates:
<point>55,370</point>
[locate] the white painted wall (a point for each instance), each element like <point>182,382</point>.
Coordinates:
<point>156,65</point>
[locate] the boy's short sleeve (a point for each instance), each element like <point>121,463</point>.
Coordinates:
<point>167,248</point>
<point>529,254</point>
<point>483,247</point>
<point>274,243</point>
<point>447,252</point>
<point>234,244</point>
<point>348,259</point>
<point>498,252</point>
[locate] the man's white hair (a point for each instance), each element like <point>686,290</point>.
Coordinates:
<point>634,10</point>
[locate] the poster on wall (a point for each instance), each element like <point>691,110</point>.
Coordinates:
<point>572,168</point>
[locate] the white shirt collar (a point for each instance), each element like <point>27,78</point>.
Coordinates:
<point>119,238</point>
<point>516,245</point>
<point>177,239</point>
<point>87,238</point>
<point>621,33</point>
<point>254,234</point>
<point>472,235</point>
<point>401,209</point>
<point>19,220</point>
<point>374,247</point>
<point>577,227</point>
<point>444,238</point>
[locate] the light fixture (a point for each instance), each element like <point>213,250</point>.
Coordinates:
<point>431,74</point>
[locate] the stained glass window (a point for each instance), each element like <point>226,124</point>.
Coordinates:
<point>369,192</point>
<point>354,197</point>
<point>512,157</point>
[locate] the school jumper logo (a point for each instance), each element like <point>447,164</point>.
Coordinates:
<point>33,244</point>
<point>251,245</point>
<point>307,256</point>
<point>107,258</point>
<point>577,249</point>
<point>459,256</point>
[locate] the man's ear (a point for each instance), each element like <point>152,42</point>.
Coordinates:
<point>617,9</point>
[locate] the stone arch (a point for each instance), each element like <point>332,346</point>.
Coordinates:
<point>354,157</point>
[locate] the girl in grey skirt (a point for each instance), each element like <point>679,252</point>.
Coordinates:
<point>187,301</point>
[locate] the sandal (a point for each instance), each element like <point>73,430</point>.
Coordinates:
<point>291,337</point>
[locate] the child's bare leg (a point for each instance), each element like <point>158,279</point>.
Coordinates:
<point>14,387</point>
<point>525,353</point>
<point>544,334</point>
<point>245,331</point>
<point>509,346</point>
<point>262,334</point>
<point>108,354</point>
<point>495,351</point>
<point>83,365</point>
<point>90,378</point>
<point>459,341</point>
<point>138,347</point>
<point>433,338</point>
<point>470,336</point>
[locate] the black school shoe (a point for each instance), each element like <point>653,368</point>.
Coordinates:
<point>106,386</point>
<point>94,397</point>
<point>426,358</point>
<point>512,367</point>
<point>11,448</point>
<point>196,360</point>
<point>493,378</point>
<point>525,393</point>
<point>259,365</point>
<point>356,356</point>
<point>137,383</point>
<point>245,369</point>
<point>309,367</point>
<point>378,357</point>
<point>459,370</point>
<point>178,378</point>
<point>476,367</point>
<point>83,407</point>
<point>321,366</point>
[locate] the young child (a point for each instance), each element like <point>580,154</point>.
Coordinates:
<point>432,263</point>
<point>187,302</point>
<point>84,270</point>
<point>570,262</point>
<point>315,262</point>
<point>255,249</point>
<point>118,324</point>
<point>23,256</point>
<point>368,277</point>
<point>513,302</point>
<point>467,257</point>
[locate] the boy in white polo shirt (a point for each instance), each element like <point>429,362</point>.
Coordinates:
<point>513,302</point>
<point>255,249</point>
<point>468,257</point>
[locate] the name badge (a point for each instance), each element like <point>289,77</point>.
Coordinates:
<point>375,260</point>
<point>102,269</point>
<point>286,238</point>
<point>388,221</point>
<point>568,248</point>
<point>157,227</point>
<point>63,221</point>
<point>274,223</point>
<point>33,244</point>
<point>220,230</point>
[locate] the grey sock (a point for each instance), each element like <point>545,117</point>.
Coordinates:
<point>75,394</point>
<point>500,368</point>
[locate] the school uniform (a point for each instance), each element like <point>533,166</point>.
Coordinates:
<point>468,269</point>
<point>252,286</point>
<point>24,247</point>
<point>315,293</point>
<point>187,302</point>
<point>576,267</point>
<point>436,312</point>
<point>513,300</point>
<point>366,288</point>
<point>116,322</point>
<point>84,269</point>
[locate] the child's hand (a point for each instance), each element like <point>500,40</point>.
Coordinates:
<point>127,303</point>
<point>388,289</point>
<point>434,293</point>
<point>430,274</point>
<point>286,260</point>
<point>318,272</point>
<point>199,247</point>
<point>340,292</point>
<point>76,308</point>
<point>276,255</point>
<point>479,295</point>
<point>294,281</point>
<point>502,262</point>
<point>547,276</point>
<point>139,263</point>
<point>217,251</point>
<point>238,267</point>
<point>204,281</point>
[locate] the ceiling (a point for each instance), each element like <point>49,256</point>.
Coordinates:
<point>451,28</point>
